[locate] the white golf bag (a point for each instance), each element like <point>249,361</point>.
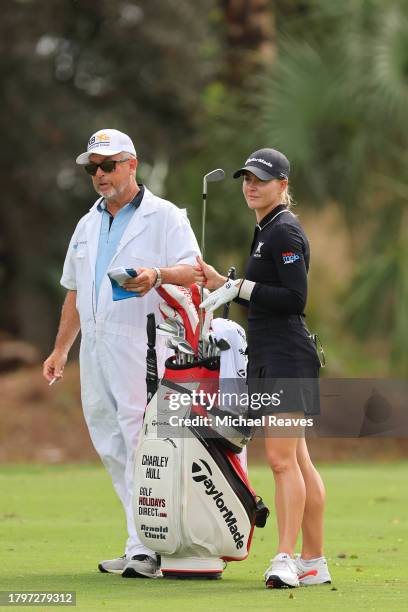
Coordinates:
<point>193,504</point>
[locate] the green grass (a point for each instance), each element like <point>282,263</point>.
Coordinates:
<point>57,522</point>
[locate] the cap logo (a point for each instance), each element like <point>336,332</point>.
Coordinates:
<point>258,159</point>
<point>102,137</point>
<point>99,140</point>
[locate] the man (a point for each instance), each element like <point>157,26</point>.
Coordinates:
<point>127,226</point>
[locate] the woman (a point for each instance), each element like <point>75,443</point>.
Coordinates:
<point>280,347</point>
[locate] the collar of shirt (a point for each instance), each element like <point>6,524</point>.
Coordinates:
<point>135,202</point>
<point>266,221</point>
<point>271,216</point>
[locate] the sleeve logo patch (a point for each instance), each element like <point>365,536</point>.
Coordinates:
<point>290,257</point>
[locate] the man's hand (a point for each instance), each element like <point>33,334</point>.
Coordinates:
<point>207,276</point>
<point>224,294</point>
<point>53,366</point>
<point>143,282</point>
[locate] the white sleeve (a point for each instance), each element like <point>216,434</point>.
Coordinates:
<point>181,244</point>
<point>68,279</point>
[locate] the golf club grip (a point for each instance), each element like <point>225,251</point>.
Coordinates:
<point>231,274</point>
<point>151,330</point>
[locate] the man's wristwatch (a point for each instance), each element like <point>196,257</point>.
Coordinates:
<point>158,280</point>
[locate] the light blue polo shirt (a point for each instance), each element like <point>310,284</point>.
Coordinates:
<point>112,230</point>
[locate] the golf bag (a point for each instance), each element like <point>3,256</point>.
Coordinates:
<point>193,503</point>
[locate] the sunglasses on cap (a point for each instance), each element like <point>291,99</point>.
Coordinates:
<point>106,166</point>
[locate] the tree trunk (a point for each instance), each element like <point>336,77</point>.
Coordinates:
<point>250,38</point>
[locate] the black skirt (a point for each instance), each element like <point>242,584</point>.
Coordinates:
<point>281,340</point>
<point>283,364</point>
<point>277,389</point>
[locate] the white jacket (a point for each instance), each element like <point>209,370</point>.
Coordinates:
<point>158,235</point>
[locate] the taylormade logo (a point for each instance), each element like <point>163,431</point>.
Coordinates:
<point>260,160</point>
<point>217,496</point>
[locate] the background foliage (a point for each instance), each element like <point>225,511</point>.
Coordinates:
<point>199,86</point>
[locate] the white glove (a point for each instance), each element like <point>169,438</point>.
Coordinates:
<point>221,296</point>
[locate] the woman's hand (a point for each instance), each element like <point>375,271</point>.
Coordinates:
<point>207,276</point>
<point>226,293</point>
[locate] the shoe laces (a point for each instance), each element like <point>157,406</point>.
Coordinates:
<point>284,564</point>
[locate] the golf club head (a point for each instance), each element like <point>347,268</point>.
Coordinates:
<point>188,345</point>
<point>167,329</point>
<point>168,334</point>
<point>186,354</point>
<point>175,324</point>
<point>175,339</point>
<point>170,343</point>
<point>184,347</point>
<point>181,329</point>
<point>212,177</point>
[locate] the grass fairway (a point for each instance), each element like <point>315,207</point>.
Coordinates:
<point>57,522</point>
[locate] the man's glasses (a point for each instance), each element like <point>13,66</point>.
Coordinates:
<point>106,166</point>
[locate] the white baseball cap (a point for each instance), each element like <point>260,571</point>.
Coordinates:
<point>107,142</point>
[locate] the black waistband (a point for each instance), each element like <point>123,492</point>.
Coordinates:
<point>278,319</point>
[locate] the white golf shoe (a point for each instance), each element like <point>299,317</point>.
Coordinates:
<point>142,566</point>
<point>113,566</point>
<point>312,572</point>
<point>282,573</point>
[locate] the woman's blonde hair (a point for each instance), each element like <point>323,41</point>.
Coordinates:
<point>287,198</point>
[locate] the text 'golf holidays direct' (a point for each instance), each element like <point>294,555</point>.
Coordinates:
<point>149,505</point>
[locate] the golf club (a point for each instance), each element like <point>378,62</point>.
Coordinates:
<point>166,328</point>
<point>205,332</point>
<point>173,344</point>
<point>181,329</point>
<point>177,325</point>
<point>182,348</point>
<point>211,177</point>
<point>173,336</point>
<point>186,349</point>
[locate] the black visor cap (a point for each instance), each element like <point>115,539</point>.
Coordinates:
<point>266,164</point>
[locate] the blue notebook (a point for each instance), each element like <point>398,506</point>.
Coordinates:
<point>118,276</point>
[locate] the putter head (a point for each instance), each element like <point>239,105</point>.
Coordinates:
<point>212,177</point>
